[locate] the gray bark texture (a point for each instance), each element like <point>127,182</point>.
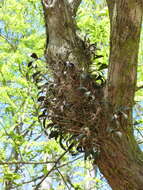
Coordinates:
<point>103,114</point>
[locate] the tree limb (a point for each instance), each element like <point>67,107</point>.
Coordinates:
<point>124,45</point>
<point>25,162</point>
<point>126,19</point>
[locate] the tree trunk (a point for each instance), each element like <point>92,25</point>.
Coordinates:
<point>103,114</point>
<point>120,161</point>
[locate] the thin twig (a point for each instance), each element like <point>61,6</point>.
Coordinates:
<point>68,162</point>
<point>33,180</point>
<point>25,162</point>
<point>4,37</point>
<point>55,168</point>
<point>64,180</point>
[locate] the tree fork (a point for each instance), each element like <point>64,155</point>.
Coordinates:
<point>120,159</point>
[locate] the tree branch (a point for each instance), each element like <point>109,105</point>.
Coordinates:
<point>126,19</point>
<point>64,180</point>
<point>25,162</point>
<point>124,45</point>
<point>8,41</point>
<point>53,168</point>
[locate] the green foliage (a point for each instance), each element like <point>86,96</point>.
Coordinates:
<point>19,37</point>
<point>93,22</point>
<point>139,93</point>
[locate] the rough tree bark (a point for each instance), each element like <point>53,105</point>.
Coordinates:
<point>119,157</point>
